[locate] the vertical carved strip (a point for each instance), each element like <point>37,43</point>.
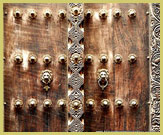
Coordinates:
<point>76,64</point>
<point>155,67</point>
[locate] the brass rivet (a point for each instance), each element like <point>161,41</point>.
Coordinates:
<point>90,103</point>
<point>132,13</point>
<point>61,103</point>
<point>62,13</point>
<point>75,11</point>
<point>32,58</point>
<point>76,58</point>
<point>89,58</point>
<point>88,13</point>
<point>103,58</point>
<point>18,58</point>
<point>105,103</point>
<point>103,13</point>
<point>48,14</point>
<point>47,59</point>
<point>117,13</point>
<point>18,104</point>
<point>32,14</point>
<point>119,103</point>
<point>76,104</point>
<point>17,13</point>
<point>62,59</point>
<point>32,103</point>
<point>147,13</point>
<point>132,58</point>
<point>118,58</point>
<point>133,103</point>
<point>47,103</point>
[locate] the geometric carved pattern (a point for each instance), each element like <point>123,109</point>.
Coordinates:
<point>155,67</point>
<point>75,64</point>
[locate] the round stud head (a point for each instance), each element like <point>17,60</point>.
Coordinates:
<point>18,104</point>
<point>62,59</point>
<point>48,14</point>
<point>32,14</point>
<point>32,59</point>
<point>47,59</point>
<point>90,103</point>
<point>18,58</point>
<point>62,13</point>
<point>133,103</point>
<point>47,103</point>
<point>75,11</point>
<point>103,13</point>
<point>132,13</point>
<point>32,103</point>
<point>118,58</point>
<point>17,13</point>
<point>132,58</point>
<point>119,103</point>
<point>89,58</point>
<point>76,104</point>
<point>103,58</point>
<point>61,103</point>
<point>105,103</point>
<point>117,13</point>
<point>88,13</point>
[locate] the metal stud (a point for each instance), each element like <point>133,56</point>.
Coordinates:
<point>62,13</point>
<point>119,103</point>
<point>75,11</point>
<point>17,13</point>
<point>32,58</point>
<point>89,58</point>
<point>132,13</point>
<point>133,103</point>
<point>61,103</point>
<point>90,103</point>
<point>117,13</point>
<point>47,103</point>
<point>118,58</point>
<point>103,58</point>
<point>47,59</point>
<point>18,58</point>
<point>132,58</point>
<point>62,59</point>
<point>32,103</point>
<point>103,13</point>
<point>48,14</point>
<point>18,104</point>
<point>76,104</point>
<point>105,103</point>
<point>88,13</point>
<point>76,58</point>
<point>32,14</point>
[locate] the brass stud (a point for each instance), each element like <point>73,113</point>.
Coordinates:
<point>76,104</point>
<point>133,103</point>
<point>18,104</point>
<point>103,58</point>
<point>76,58</point>
<point>103,13</point>
<point>105,103</point>
<point>17,13</point>
<point>90,103</point>
<point>47,103</point>
<point>118,58</point>
<point>32,103</point>
<point>62,13</point>
<point>48,14</point>
<point>88,13</point>
<point>32,58</point>
<point>62,59</point>
<point>18,58</point>
<point>132,58</point>
<point>89,58</point>
<point>119,103</point>
<point>132,13</point>
<point>61,103</point>
<point>75,11</point>
<point>47,59</point>
<point>117,13</point>
<point>32,14</point>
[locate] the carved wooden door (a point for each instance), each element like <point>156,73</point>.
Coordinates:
<point>81,67</point>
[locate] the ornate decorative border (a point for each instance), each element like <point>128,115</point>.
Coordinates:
<point>155,67</point>
<point>76,64</point>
